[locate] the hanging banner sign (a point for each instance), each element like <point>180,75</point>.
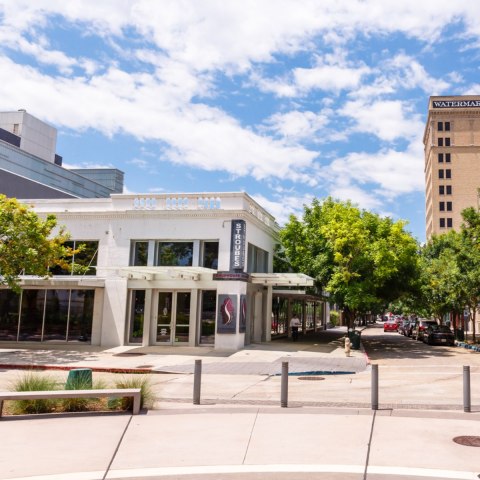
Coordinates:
<point>237,248</point>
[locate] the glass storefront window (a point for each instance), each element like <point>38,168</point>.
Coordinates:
<point>318,314</point>
<point>280,316</point>
<point>9,311</point>
<point>137,314</point>
<point>56,315</point>
<point>310,315</point>
<point>207,317</point>
<point>31,316</point>
<point>46,315</point>
<point>175,254</point>
<point>81,315</point>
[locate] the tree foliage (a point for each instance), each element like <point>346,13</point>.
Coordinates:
<point>27,245</point>
<point>451,271</point>
<point>363,260</point>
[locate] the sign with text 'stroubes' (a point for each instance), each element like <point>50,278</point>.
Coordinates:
<point>237,248</point>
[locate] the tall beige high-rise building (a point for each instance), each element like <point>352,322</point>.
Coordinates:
<point>452,160</point>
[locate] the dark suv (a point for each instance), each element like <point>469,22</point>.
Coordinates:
<point>420,328</point>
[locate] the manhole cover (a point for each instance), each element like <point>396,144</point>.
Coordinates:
<point>468,441</point>
<point>311,377</point>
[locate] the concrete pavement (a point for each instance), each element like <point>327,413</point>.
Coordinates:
<point>239,431</point>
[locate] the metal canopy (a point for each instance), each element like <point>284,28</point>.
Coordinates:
<point>167,273</point>
<point>63,281</point>
<point>282,279</point>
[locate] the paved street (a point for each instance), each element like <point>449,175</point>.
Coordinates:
<point>239,431</point>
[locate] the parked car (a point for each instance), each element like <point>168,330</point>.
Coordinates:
<point>439,335</point>
<point>390,326</point>
<point>403,326</point>
<point>420,328</point>
<point>408,327</point>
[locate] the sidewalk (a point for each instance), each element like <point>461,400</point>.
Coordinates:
<point>239,431</point>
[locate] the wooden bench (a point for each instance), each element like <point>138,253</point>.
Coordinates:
<point>99,393</point>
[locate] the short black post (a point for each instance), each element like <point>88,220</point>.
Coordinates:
<point>284,390</point>
<point>197,381</point>
<point>374,387</point>
<point>467,405</point>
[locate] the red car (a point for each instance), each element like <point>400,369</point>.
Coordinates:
<point>390,326</point>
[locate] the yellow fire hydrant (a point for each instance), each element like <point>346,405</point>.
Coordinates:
<point>348,346</point>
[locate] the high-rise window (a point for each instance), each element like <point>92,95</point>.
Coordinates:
<point>449,223</point>
<point>447,142</point>
<point>441,189</point>
<point>447,158</point>
<point>448,173</point>
<point>449,189</point>
<point>441,206</point>
<point>442,223</point>
<point>449,206</point>
<point>440,142</point>
<point>447,126</point>
<point>441,173</point>
<point>440,126</point>
<point>440,158</point>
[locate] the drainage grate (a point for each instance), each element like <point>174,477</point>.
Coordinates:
<point>468,441</point>
<point>311,377</point>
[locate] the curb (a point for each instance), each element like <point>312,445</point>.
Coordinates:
<point>475,348</point>
<point>13,366</point>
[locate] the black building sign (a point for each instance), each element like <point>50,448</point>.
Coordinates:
<point>456,103</point>
<point>237,248</point>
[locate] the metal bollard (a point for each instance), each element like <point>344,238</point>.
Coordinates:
<point>284,389</point>
<point>197,381</point>
<point>374,387</point>
<point>467,405</point>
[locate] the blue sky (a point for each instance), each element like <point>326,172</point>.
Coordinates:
<point>286,100</point>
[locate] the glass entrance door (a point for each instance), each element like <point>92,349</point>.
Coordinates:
<point>164,317</point>
<point>173,317</point>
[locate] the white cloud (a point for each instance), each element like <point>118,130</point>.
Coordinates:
<point>331,74</point>
<point>295,126</point>
<point>137,104</point>
<point>284,205</point>
<point>391,172</point>
<point>387,119</point>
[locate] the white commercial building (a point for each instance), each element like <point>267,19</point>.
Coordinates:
<point>178,269</point>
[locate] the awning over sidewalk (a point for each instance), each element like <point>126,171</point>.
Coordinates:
<point>282,279</point>
<point>167,273</point>
<point>69,281</point>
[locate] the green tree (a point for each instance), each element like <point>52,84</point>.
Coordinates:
<point>442,290</point>
<point>363,260</point>
<point>469,263</point>
<point>27,245</point>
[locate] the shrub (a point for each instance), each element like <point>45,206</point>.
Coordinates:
<point>136,381</point>
<point>83,404</point>
<point>31,382</point>
<point>334,317</point>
